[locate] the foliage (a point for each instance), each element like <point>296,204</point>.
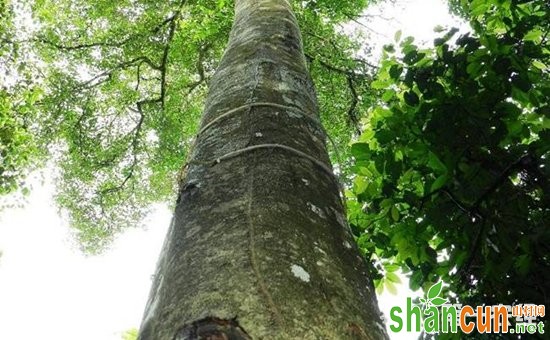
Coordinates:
<point>130,334</point>
<point>118,88</point>
<point>451,172</point>
<point>18,153</point>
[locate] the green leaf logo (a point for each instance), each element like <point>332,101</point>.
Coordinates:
<point>438,301</point>
<point>434,290</point>
<point>432,298</point>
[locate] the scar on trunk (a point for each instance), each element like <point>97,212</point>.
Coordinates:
<point>212,328</point>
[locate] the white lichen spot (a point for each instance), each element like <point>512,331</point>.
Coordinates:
<point>300,272</point>
<point>292,114</point>
<point>268,235</point>
<point>340,218</point>
<point>258,134</point>
<point>347,245</point>
<point>318,211</point>
<point>320,250</point>
<point>283,86</point>
<point>306,182</point>
<point>319,263</point>
<point>288,100</point>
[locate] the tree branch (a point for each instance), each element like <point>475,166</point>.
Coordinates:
<point>524,160</point>
<point>352,114</point>
<point>155,29</point>
<point>200,69</point>
<point>336,69</point>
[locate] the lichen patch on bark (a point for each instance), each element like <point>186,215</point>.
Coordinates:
<point>300,272</point>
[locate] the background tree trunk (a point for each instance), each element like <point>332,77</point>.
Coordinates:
<point>259,246</point>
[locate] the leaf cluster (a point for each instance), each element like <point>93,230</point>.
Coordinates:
<point>18,96</point>
<point>118,88</point>
<point>451,172</point>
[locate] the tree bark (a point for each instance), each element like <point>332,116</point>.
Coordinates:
<point>259,246</point>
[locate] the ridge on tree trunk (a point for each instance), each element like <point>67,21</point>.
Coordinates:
<point>259,246</point>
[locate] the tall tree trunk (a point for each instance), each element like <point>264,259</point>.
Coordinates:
<point>259,246</point>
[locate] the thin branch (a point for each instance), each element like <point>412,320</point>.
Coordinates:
<point>524,160</point>
<point>463,273</point>
<point>164,60</point>
<point>458,203</point>
<point>172,29</point>
<point>379,16</point>
<point>336,69</point>
<point>338,48</point>
<point>83,45</point>
<point>200,69</point>
<point>134,144</point>
<point>365,26</point>
<point>107,43</point>
<point>352,114</point>
<point>122,65</point>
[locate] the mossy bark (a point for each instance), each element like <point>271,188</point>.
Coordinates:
<point>259,247</point>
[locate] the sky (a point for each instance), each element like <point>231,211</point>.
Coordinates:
<point>49,290</point>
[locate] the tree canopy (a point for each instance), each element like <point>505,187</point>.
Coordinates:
<point>452,169</point>
<point>447,177</point>
<point>114,92</point>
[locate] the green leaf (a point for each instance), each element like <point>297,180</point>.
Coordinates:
<point>391,267</point>
<point>460,257</point>
<point>436,164</point>
<point>389,48</point>
<point>395,213</point>
<point>384,136</point>
<point>438,301</point>
<point>523,264</point>
<point>533,35</point>
<point>474,69</point>
<point>521,82</point>
<point>379,287</point>
<point>434,290</point>
<point>359,185</point>
<point>25,191</point>
<point>411,57</point>
<point>395,71</point>
<point>416,280</point>
<point>388,95</point>
<point>540,65</point>
<point>360,151</point>
<point>411,98</point>
<point>379,84</point>
<point>393,277</point>
<point>392,289</point>
<point>439,183</point>
<point>397,36</point>
<point>386,203</point>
